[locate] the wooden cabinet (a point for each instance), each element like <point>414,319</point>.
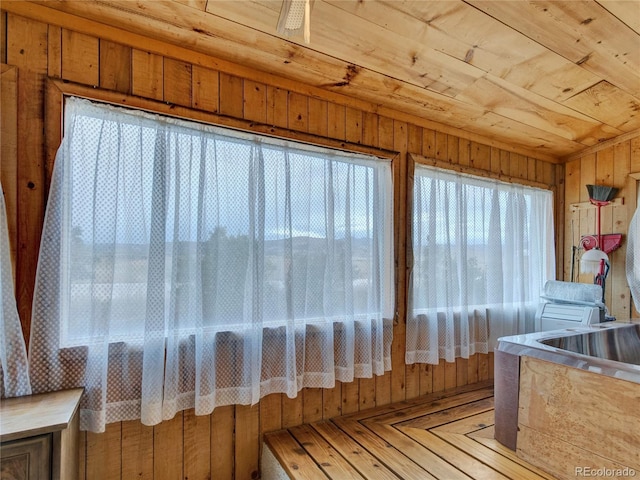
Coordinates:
<point>39,436</point>
<point>26,459</point>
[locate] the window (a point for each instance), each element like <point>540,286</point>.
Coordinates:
<point>482,251</point>
<point>184,266</point>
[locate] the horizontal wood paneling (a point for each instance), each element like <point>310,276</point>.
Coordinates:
<point>129,449</point>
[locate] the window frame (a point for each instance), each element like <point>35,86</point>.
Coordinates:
<point>412,159</point>
<point>57,91</point>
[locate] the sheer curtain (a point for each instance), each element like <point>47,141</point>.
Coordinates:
<point>632,265</point>
<point>482,251</point>
<point>14,373</point>
<point>189,266</point>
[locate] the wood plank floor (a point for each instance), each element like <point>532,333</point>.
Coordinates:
<point>443,436</point>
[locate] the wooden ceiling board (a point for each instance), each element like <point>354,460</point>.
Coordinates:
<point>365,83</point>
<point>369,45</point>
<point>350,37</point>
<point>534,138</point>
<point>549,78</point>
<point>411,100</point>
<point>325,70</point>
<point>201,32</point>
<point>518,104</point>
<point>579,30</point>
<point>608,104</point>
<point>417,102</point>
<point>197,4</point>
<point>462,31</point>
<point>626,11</point>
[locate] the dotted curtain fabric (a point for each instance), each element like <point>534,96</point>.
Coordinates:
<point>482,252</point>
<point>14,373</point>
<point>632,266</point>
<point>186,266</point>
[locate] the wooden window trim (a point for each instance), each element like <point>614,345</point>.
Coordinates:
<point>412,159</point>
<point>57,89</point>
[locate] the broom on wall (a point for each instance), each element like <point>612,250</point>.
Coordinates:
<point>601,196</point>
<point>601,193</point>
<point>596,260</point>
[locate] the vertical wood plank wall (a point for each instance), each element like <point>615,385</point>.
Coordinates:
<point>227,443</point>
<point>611,166</point>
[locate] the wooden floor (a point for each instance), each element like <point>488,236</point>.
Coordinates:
<point>445,436</point>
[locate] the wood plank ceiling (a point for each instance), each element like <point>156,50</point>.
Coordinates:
<point>549,76</point>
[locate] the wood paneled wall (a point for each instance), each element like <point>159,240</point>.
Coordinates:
<point>552,432</point>
<point>611,165</point>
<point>227,443</point>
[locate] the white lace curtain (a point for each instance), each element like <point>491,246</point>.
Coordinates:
<point>482,251</point>
<point>189,266</point>
<point>632,265</point>
<point>14,373</point>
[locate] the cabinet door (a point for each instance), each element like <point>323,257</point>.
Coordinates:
<point>26,459</point>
